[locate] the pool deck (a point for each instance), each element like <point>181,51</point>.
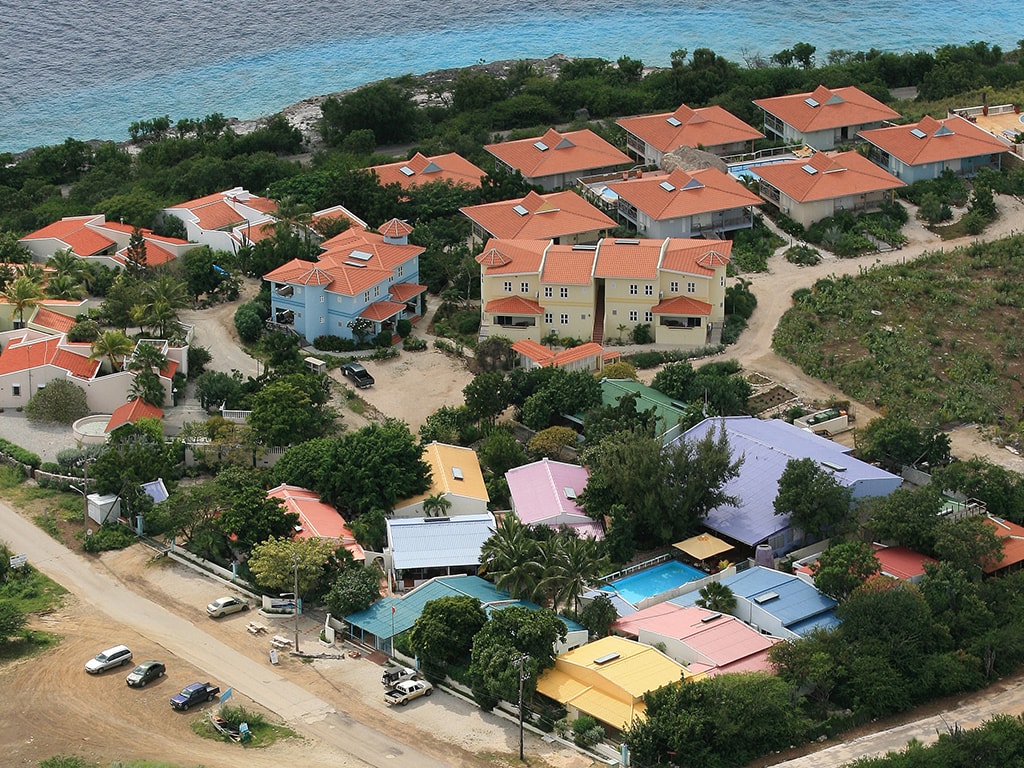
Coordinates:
<point>996,124</point>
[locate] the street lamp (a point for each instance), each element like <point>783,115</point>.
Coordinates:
<point>295,560</point>
<point>523,677</point>
<point>84,490</point>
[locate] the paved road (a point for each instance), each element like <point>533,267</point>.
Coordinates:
<point>306,713</point>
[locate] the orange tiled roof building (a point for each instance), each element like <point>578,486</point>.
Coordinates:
<point>823,118</point>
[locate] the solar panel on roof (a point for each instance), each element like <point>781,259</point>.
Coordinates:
<point>667,187</point>
<point>811,102</point>
<point>673,122</point>
<point>541,146</point>
<point>405,170</point>
<point>918,133</point>
<point>361,255</point>
<point>520,210</point>
<point>810,169</point>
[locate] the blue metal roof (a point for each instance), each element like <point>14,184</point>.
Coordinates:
<point>438,542</point>
<point>379,619</point>
<point>767,445</point>
<point>799,606</point>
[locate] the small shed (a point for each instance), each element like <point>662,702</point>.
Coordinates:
<point>103,509</point>
<point>316,365</point>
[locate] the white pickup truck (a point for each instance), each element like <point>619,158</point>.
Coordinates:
<point>408,690</point>
<point>395,675</point>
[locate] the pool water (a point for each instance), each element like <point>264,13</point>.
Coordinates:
<point>653,581</point>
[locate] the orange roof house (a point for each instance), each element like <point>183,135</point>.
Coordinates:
<point>812,189</point>
<point>685,203</point>
<point>360,275</point>
<point>420,169</point>
<point>713,129</point>
<point>1012,536</point>
<point>316,519</point>
<point>131,412</point>
<point>531,288</point>
<point>563,217</point>
<point>456,477</point>
<point>925,149</point>
<point>823,118</point>
<point>556,159</point>
<point>225,220</point>
<point>583,357</point>
<point>93,238</point>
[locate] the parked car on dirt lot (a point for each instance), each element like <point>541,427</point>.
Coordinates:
<point>395,675</point>
<point>223,606</point>
<point>405,692</point>
<point>358,374</point>
<point>117,656</point>
<point>194,694</point>
<point>146,672</point>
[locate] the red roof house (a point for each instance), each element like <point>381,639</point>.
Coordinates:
<point>556,160</point>
<point>713,129</point>
<point>823,118</point>
<point>316,519</point>
<point>562,217</point>
<point>420,169</point>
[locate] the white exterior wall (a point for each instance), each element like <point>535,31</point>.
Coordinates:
<point>461,505</point>
<point>675,648</point>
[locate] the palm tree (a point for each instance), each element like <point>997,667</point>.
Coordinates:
<point>63,287</point>
<point>147,357</point>
<point>579,562</point>
<point>718,597</point>
<point>114,346</point>
<point>436,505</point>
<point>162,298</point>
<point>146,387</point>
<point>510,557</point>
<point>22,293</point>
<point>66,264</point>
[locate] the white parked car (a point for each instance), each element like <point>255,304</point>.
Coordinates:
<point>117,656</point>
<point>223,606</point>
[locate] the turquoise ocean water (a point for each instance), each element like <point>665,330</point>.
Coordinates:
<point>88,68</point>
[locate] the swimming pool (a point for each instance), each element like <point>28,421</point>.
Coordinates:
<point>653,581</point>
<point>743,171</point>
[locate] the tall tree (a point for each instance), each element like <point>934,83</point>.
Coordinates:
<point>812,497</point>
<point>510,556</point>
<point>273,563</point>
<point>23,294</point>
<point>444,632</point>
<point>843,567</point>
<point>114,346</point>
<point>136,264</point>
<point>716,596</point>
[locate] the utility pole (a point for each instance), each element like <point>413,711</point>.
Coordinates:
<point>295,556</point>
<point>523,675</point>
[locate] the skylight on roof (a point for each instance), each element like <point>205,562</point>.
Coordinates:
<point>606,658</point>
<point>405,170</point>
<point>765,597</point>
<point>361,255</point>
<point>520,210</point>
<point>570,493</point>
<point>811,102</point>
<point>917,133</point>
<point>359,264</point>
<point>622,241</point>
<point>835,98</point>
<point>709,619</point>
<point>809,169</point>
<point>432,167</point>
<point>457,473</point>
<point>673,122</point>
<point>565,143</point>
<point>833,467</point>
<point>667,186</point>
<point>541,146</point>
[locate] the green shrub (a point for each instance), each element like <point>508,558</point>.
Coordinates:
<point>334,344</point>
<point>803,255</point>
<point>59,402</point>
<point>404,328</point>
<point>383,339</point>
<point>109,536</point>
<point>413,344</point>
<point>18,453</point>
<point>641,334</point>
<point>644,360</point>
<point>248,323</point>
<point>586,731</point>
<point>84,332</point>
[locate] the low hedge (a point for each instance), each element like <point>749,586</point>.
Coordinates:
<point>18,453</point>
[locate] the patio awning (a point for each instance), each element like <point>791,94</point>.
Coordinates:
<point>703,546</point>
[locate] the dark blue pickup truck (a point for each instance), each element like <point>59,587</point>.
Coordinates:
<point>194,694</point>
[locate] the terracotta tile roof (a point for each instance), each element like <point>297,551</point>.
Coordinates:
<point>514,305</point>
<point>832,108</point>
<point>575,151</point>
<point>538,353</point>
<point>170,369</point>
<point>75,233</point>
<point>394,228</point>
<point>26,354</point>
<point>1012,536</point>
<point>217,215</point>
<point>628,258</point>
<point>406,291</point>
<point>682,305</point>
<point>423,170</point>
<point>261,204</point>
<point>76,364</point>
<point>949,139</point>
<point>345,280</point>
<point>351,237</point>
<point>695,257</point>
<point>539,217</point>
<point>382,310</point>
<point>131,412</point>
<point>54,321</point>
<point>566,265</point>
<point>900,562</point>
<point>510,257</point>
<point>706,126</point>
<point>337,212</point>
<point>827,176</point>
<point>566,356</point>
<point>683,193</point>
<point>375,254</point>
<point>155,254</point>
<point>316,519</point>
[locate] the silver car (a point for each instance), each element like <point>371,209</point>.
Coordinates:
<point>223,606</point>
<point>117,656</point>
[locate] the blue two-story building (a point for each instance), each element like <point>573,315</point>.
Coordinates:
<point>360,275</point>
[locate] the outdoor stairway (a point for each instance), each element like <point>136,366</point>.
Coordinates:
<point>598,335</point>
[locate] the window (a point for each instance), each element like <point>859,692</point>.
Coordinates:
<point>321,319</point>
<point>633,315</point>
<point>366,297</point>
<point>674,286</point>
<point>691,287</point>
<point>548,318</point>
<point>564,318</point>
<point>648,290</point>
<point>563,292</point>
<point>321,298</point>
<point>524,287</point>
<point>648,317</point>
<point>16,390</point>
<point>549,292</point>
<point>633,289</point>
<point>508,286</point>
<point>583,316</point>
<point>398,271</point>
<point>376,291</point>
<point>723,281</point>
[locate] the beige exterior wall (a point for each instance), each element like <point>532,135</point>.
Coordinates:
<point>806,213</point>
<point>622,307</point>
<point>577,307</point>
<point>680,337</point>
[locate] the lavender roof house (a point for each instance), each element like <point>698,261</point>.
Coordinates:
<point>767,445</point>
<point>546,492</point>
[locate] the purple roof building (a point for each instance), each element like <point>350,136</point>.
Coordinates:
<point>546,492</point>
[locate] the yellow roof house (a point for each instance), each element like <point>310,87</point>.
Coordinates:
<point>608,678</point>
<point>455,476</point>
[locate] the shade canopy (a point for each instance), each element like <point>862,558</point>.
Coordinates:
<point>703,546</point>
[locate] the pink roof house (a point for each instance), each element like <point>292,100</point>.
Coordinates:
<point>703,640</point>
<point>546,492</point>
<point>316,519</point>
